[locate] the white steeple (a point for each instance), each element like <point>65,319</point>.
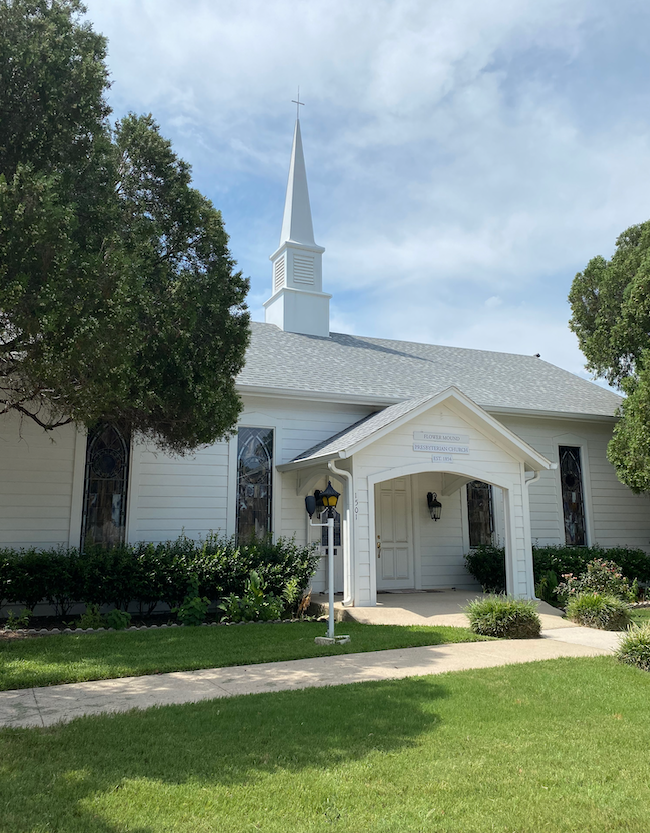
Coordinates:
<point>298,303</point>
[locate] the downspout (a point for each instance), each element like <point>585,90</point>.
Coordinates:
<point>348,594</point>
<point>527,483</point>
<point>533,479</point>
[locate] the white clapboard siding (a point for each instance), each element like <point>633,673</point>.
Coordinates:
<point>616,516</point>
<point>178,495</point>
<point>36,478</point>
<point>195,495</point>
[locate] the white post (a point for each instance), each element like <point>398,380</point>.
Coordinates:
<point>330,572</point>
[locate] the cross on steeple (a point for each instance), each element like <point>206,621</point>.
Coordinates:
<point>298,104</point>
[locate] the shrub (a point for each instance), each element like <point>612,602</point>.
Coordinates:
<point>194,608</point>
<point>117,619</point>
<point>151,573</point>
<point>257,604</point>
<point>634,564</point>
<point>635,647</point>
<point>603,577</point>
<point>91,618</point>
<point>596,610</point>
<point>504,616</point>
<point>17,621</point>
<point>487,564</point>
<point>546,586</point>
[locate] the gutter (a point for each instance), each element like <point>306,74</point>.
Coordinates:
<point>381,402</point>
<point>348,575</point>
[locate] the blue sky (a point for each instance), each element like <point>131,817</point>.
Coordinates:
<point>464,159</point>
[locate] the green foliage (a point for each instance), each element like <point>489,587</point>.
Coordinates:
<point>194,608</point>
<point>635,647</point>
<point>603,577</point>
<point>546,586</point>
<point>257,604</point>
<point>488,566</point>
<point>597,610</point>
<point>503,616</point>
<point>487,563</point>
<point>151,573</point>
<point>18,621</point>
<point>91,618</point>
<point>117,619</point>
<point>633,563</point>
<point>118,292</point>
<point>610,301</point>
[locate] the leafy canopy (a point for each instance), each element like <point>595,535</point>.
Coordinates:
<point>119,298</point>
<point>610,301</point>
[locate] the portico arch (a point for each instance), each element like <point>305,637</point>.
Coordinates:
<point>466,473</point>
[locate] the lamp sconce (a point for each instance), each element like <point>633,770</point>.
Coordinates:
<point>435,507</point>
<point>320,501</point>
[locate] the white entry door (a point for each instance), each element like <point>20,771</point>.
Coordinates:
<point>393,544</point>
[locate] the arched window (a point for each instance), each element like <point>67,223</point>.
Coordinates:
<point>106,481</point>
<point>573,502</point>
<point>254,482</point>
<point>480,514</point>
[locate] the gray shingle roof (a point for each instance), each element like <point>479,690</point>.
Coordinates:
<point>365,427</point>
<point>400,370</point>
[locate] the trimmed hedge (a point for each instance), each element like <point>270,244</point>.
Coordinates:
<point>150,573</point>
<point>487,563</point>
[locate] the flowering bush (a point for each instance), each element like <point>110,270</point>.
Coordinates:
<point>603,577</point>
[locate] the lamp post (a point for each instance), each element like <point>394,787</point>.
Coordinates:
<point>328,498</point>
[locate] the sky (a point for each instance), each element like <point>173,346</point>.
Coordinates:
<point>465,159</point>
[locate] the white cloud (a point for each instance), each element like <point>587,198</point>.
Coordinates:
<point>465,159</point>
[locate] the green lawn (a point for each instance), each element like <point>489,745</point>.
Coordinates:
<point>550,746</point>
<point>640,615</point>
<point>75,658</point>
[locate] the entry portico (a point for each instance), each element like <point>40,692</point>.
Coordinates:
<point>384,463</point>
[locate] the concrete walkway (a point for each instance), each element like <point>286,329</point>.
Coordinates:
<point>62,703</point>
<point>438,607</point>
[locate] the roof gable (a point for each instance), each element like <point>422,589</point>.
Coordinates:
<point>372,428</point>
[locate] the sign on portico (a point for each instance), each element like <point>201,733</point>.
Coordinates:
<point>441,444</point>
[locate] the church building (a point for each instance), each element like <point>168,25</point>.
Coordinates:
<point>434,450</point>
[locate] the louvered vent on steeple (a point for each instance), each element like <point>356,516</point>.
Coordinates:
<point>303,269</point>
<point>278,273</point>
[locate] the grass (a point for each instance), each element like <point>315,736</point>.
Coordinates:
<point>79,657</point>
<point>551,746</point>
<point>640,615</point>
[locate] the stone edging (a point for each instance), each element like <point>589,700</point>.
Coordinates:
<point>58,631</point>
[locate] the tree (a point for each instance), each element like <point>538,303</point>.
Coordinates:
<point>119,300</point>
<point>610,301</point>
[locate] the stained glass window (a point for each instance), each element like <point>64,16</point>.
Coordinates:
<point>480,514</point>
<point>254,482</point>
<point>572,496</point>
<point>106,481</point>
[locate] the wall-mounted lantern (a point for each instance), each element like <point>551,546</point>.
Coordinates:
<point>435,507</point>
